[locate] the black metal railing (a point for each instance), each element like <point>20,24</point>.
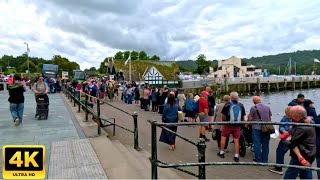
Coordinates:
<point>102,121</point>
<point>201,147</point>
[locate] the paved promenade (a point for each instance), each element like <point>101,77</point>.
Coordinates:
<point>59,130</point>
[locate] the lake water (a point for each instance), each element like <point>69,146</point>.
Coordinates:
<point>278,101</point>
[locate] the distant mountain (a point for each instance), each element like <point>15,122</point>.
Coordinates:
<point>303,59</point>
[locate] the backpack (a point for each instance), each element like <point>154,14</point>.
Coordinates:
<point>196,107</point>
<point>234,112</point>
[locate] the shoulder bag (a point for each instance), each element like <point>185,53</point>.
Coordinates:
<point>265,128</point>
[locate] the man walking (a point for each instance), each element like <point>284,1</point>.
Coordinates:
<point>260,112</point>
<point>233,111</point>
<point>16,99</point>
<point>203,113</point>
<point>303,137</point>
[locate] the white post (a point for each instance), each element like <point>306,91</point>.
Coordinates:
<point>130,70</point>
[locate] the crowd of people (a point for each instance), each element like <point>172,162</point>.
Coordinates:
<point>302,141</point>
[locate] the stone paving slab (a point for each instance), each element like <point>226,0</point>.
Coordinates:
<point>74,159</point>
<point>58,127</point>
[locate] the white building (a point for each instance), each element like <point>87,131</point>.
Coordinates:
<point>235,67</point>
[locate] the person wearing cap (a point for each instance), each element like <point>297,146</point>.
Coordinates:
<point>16,99</point>
<point>203,113</point>
<point>298,101</point>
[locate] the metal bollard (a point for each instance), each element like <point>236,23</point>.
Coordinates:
<point>99,120</point>
<point>136,132</point>
<point>154,154</point>
<point>202,158</point>
<point>86,105</point>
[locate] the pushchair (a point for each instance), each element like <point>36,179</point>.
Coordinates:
<point>245,140</point>
<point>42,109</point>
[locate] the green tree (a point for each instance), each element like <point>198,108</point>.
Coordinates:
<point>155,58</point>
<point>134,55</point>
<point>92,69</point>
<point>118,55</point>
<point>143,55</point>
<point>202,64</point>
<point>126,54</point>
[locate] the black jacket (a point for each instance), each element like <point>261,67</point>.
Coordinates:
<point>16,93</point>
<point>303,137</point>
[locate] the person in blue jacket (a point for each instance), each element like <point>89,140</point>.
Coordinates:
<point>282,149</point>
<point>189,105</point>
<point>170,115</point>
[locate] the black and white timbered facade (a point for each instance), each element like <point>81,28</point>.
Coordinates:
<point>153,76</point>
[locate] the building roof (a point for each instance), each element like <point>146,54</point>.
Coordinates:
<point>168,69</point>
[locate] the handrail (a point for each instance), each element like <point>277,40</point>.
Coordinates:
<point>155,162</point>
<point>100,117</point>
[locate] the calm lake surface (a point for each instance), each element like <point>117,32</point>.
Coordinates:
<point>278,101</point>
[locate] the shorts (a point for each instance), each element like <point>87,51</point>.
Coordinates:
<point>234,130</point>
<point>203,117</point>
<point>191,114</point>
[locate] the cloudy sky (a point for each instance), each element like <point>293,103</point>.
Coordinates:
<point>86,31</point>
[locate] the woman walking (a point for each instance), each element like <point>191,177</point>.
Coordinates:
<point>16,99</point>
<point>189,108</point>
<point>218,118</point>
<point>170,115</point>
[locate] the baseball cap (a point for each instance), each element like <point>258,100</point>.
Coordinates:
<point>205,93</point>
<point>300,95</point>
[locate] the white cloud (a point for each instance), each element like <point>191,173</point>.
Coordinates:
<point>88,31</point>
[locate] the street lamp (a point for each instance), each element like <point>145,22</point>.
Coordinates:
<point>28,50</point>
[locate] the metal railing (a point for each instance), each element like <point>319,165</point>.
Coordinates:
<point>201,146</point>
<point>75,96</point>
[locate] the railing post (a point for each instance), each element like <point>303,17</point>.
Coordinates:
<point>86,105</point>
<point>136,132</point>
<point>70,94</point>
<point>99,120</point>
<point>79,102</point>
<point>74,98</point>
<point>202,158</point>
<point>154,158</point>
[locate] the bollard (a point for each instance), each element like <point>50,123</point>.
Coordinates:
<point>86,105</point>
<point>202,158</point>
<point>154,167</point>
<point>136,132</point>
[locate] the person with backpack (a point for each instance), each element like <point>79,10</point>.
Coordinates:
<point>203,113</point>
<point>233,111</point>
<point>16,99</point>
<point>260,112</point>
<point>189,105</point>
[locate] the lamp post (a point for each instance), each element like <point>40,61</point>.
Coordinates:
<point>28,50</point>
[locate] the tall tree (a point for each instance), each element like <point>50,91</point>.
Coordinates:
<point>143,55</point>
<point>118,55</point>
<point>134,55</point>
<point>155,58</point>
<point>202,63</point>
<point>126,54</point>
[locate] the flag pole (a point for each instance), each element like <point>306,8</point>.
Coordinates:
<point>130,70</point>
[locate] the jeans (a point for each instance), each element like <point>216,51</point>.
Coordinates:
<point>260,145</point>
<point>292,173</point>
<point>17,111</point>
<point>145,103</point>
<point>318,159</point>
<point>282,149</point>
<point>129,100</point>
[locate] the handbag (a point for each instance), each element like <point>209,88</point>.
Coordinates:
<point>265,128</point>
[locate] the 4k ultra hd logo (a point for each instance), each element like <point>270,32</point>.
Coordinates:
<point>23,162</point>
